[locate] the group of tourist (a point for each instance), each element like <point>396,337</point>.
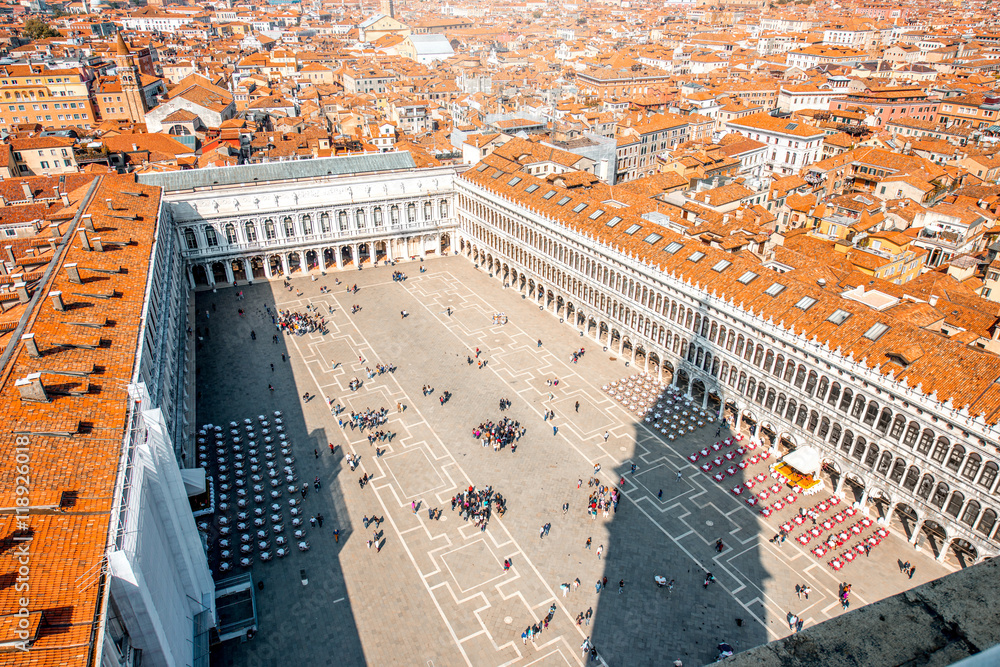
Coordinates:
<point>367,418</point>
<point>298,323</point>
<point>602,499</point>
<point>398,276</point>
<point>500,434</point>
<point>380,369</point>
<point>477,505</point>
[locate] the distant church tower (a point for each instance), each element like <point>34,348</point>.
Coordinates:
<point>131,81</point>
<point>387,8</point>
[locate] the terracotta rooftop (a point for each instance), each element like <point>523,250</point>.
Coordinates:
<point>958,371</point>
<point>87,358</point>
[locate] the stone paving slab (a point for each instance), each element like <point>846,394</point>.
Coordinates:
<point>436,593</point>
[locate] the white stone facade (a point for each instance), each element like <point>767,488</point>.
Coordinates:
<point>918,460</point>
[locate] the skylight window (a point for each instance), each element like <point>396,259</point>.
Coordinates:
<point>549,195</point>
<point>696,256</point>
<point>514,181</point>
<point>652,238</point>
<point>876,331</point>
<point>806,302</point>
<point>483,167</point>
<point>748,277</point>
<point>613,221</point>
<point>531,188</point>
<point>579,207</point>
<point>775,289</point>
<point>633,229</point>
<point>838,317</point>
<point>673,247</point>
<point>563,201</point>
<point>497,174</point>
<point>596,214</point>
<point>721,266</point>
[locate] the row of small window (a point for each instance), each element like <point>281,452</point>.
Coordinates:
<point>45,107</point>
<point>31,94</point>
<point>55,164</point>
<point>26,119</point>
<point>14,82</point>
<point>289,226</point>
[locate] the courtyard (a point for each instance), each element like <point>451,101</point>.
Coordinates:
<point>436,593</point>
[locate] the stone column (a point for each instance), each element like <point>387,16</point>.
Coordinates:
<point>228,266</point>
<point>337,257</point>
<point>916,532</point>
<point>944,549</point>
<point>864,499</point>
<point>423,245</point>
<point>388,249</point>
<point>704,399</point>
<point>248,269</point>
<point>355,256</point>
<point>840,482</point>
<point>190,276</point>
<point>211,274</point>
<point>267,268</point>
<point>284,265</point>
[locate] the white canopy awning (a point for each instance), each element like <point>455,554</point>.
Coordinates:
<point>804,459</point>
<point>194,481</point>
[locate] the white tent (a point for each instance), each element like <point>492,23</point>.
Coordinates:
<point>804,459</point>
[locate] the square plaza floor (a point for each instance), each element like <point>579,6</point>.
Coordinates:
<point>436,593</point>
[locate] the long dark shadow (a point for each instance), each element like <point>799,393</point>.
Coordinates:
<point>234,373</point>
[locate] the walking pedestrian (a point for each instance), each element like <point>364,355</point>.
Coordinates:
<point>606,436</point>
<point>632,471</point>
<point>586,617</point>
<point>413,506</point>
<point>678,475</point>
<point>912,570</point>
<point>659,494</point>
<point>336,535</point>
<point>565,507</point>
<point>541,532</point>
<point>319,519</point>
<point>588,543</point>
<point>621,586</point>
<point>577,406</point>
<point>600,549</point>
<point>806,590</point>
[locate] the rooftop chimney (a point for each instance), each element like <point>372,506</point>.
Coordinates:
<point>30,346</point>
<point>21,288</point>
<point>110,204</point>
<point>74,273</point>
<point>821,282</point>
<point>933,300</point>
<point>84,241</point>
<point>98,246</point>
<point>88,222</point>
<point>31,388</point>
<point>27,191</point>
<point>57,301</point>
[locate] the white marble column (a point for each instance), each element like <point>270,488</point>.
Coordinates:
<point>248,269</point>
<point>337,257</point>
<point>267,268</point>
<point>211,274</point>
<point>228,266</point>
<point>388,250</point>
<point>284,265</point>
<point>190,276</point>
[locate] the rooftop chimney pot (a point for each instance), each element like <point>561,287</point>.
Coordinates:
<point>30,346</point>
<point>31,388</point>
<point>57,301</point>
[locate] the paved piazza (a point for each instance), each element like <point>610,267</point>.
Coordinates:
<point>437,595</point>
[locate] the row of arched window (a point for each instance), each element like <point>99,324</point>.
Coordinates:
<point>867,412</point>
<point>286,227</point>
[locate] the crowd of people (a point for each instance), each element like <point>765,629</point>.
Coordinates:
<point>366,419</point>
<point>478,505</point>
<point>298,323</point>
<point>398,276</point>
<point>380,369</point>
<point>499,434</point>
<point>602,499</point>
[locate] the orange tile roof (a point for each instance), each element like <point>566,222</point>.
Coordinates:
<point>955,370</point>
<point>75,475</point>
